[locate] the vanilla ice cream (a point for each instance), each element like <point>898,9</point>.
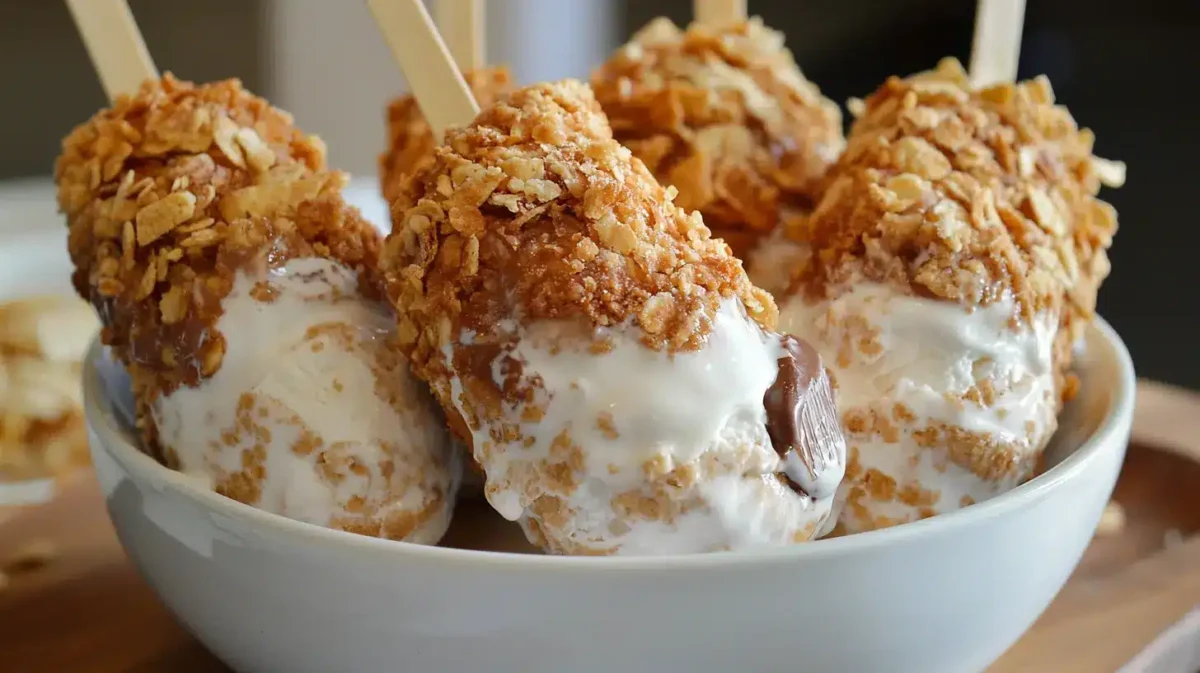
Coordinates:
<point>952,260</point>
<point>637,451</point>
<point>619,380</point>
<point>313,414</point>
<point>942,405</point>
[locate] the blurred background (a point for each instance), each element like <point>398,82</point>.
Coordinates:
<point>1122,67</point>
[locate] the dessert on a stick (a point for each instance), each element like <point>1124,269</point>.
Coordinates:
<point>410,140</point>
<point>240,291</point>
<point>721,112</point>
<point>950,268</point>
<point>618,377</point>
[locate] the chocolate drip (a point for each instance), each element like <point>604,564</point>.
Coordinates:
<point>802,419</point>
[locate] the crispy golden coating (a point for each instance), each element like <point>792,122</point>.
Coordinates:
<point>726,117</point>
<point>410,140</point>
<point>534,212</point>
<point>170,192</point>
<point>966,195</point>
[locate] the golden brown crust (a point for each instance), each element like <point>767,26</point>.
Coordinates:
<point>969,196</point>
<point>725,116</point>
<point>534,212</point>
<point>410,140</point>
<point>938,178</point>
<point>171,191</point>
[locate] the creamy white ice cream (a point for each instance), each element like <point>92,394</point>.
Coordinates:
<point>313,414</point>
<point>620,448</point>
<point>942,406</point>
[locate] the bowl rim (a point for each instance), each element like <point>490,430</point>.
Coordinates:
<point>1110,435</point>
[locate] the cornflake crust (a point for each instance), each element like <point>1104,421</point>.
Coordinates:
<point>534,212</point>
<point>172,191</point>
<point>410,140</point>
<point>966,195</point>
<point>724,115</point>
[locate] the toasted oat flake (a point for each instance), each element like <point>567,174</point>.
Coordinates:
<point>160,217</point>
<point>258,155</point>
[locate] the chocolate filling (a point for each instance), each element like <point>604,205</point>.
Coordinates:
<point>799,366</point>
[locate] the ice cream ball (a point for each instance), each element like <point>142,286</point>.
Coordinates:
<point>945,276</point>
<point>241,292</point>
<point>941,406</point>
<point>607,360</point>
<point>313,413</point>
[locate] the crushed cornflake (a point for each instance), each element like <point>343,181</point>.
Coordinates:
<point>968,196</point>
<point>597,239</point>
<point>410,139</point>
<point>724,115</point>
<point>168,194</point>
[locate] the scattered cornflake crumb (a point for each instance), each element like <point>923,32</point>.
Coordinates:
<point>1112,520</point>
<point>43,340</point>
<point>31,556</point>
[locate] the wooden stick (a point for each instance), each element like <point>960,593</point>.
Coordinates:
<point>114,44</point>
<point>997,44</point>
<point>438,86</point>
<point>719,12</point>
<point>461,24</point>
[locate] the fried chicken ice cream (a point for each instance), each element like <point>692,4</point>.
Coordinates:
<point>618,378</point>
<point>241,293</point>
<point>948,272</point>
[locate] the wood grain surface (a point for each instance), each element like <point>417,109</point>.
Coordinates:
<point>86,610</point>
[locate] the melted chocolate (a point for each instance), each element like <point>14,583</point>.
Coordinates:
<point>799,369</point>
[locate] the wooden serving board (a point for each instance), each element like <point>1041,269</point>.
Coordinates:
<point>86,610</point>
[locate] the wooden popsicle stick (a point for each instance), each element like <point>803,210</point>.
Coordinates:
<point>436,83</point>
<point>114,44</point>
<point>719,12</point>
<point>461,24</point>
<point>996,47</point>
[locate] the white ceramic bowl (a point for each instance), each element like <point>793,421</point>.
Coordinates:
<point>948,594</point>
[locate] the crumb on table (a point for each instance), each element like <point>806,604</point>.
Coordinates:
<point>1112,520</point>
